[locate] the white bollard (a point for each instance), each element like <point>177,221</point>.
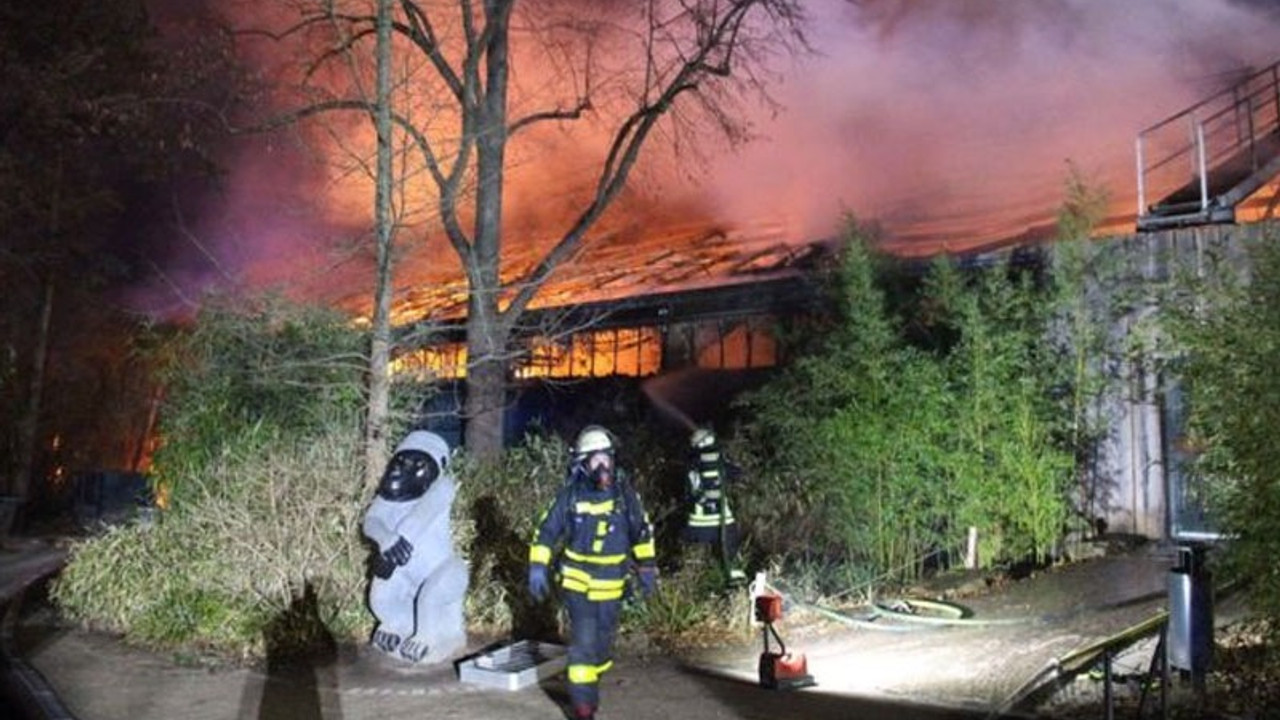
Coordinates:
<point>971,549</point>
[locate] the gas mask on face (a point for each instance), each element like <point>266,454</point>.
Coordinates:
<point>600,469</point>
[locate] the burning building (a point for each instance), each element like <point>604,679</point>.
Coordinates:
<point>634,307</point>
<point>637,309</point>
<point>944,121</point>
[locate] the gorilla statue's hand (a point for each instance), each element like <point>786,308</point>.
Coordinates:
<point>382,567</point>
<point>400,552</point>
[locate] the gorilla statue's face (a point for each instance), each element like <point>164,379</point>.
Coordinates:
<point>408,476</point>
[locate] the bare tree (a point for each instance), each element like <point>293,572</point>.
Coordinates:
<point>622,66</point>
<point>375,444</point>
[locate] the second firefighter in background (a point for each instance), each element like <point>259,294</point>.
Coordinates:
<point>598,532</point>
<point>711,520</point>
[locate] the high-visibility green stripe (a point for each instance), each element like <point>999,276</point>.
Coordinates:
<point>709,520</point>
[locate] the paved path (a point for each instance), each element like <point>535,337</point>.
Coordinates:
<point>1014,641</point>
<point>931,672</point>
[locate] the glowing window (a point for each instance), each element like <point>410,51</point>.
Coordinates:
<point>447,361</point>
<point>633,352</point>
<point>736,346</point>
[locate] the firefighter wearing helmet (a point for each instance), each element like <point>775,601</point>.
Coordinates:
<point>710,521</point>
<point>595,532</point>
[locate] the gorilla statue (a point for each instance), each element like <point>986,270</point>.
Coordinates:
<point>419,582</point>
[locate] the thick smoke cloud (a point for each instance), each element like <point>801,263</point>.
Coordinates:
<point>952,121</point>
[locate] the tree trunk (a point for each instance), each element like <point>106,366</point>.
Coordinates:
<point>487,329</point>
<point>486,391</point>
<point>28,427</point>
<point>377,412</point>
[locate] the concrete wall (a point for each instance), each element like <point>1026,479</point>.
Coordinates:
<point>1128,483</point>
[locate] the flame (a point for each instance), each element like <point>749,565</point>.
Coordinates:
<point>622,260</point>
<point>747,345</point>
<point>629,351</point>
<point>445,361</point>
<point>1261,205</point>
<point>945,121</point>
<point>163,495</point>
<point>58,473</point>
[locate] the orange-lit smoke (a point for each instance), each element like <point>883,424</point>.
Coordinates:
<point>950,122</point>
<point>552,167</point>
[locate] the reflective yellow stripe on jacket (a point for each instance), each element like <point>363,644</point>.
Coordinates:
<point>579,580</point>
<point>587,674</point>
<point>604,507</point>
<point>540,554</point>
<point>644,550</point>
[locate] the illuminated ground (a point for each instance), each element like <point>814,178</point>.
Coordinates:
<point>100,680</point>
<point>970,671</point>
<point>988,663</point>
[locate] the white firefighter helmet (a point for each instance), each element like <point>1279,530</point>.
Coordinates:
<point>593,439</point>
<point>702,438</point>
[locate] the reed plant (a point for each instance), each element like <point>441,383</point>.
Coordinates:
<point>890,435</point>
<point>1223,326</point>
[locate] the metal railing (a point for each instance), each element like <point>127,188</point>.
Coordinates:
<point>1181,151</point>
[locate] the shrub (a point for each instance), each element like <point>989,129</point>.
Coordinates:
<point>498,505</point>
<point>1228,332</point>
<point>897,437</point>
<point>261,448</point>
<point>263,522</point>
<point>265,363</point>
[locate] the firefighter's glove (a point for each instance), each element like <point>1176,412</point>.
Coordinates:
<point>398,554</point>
<point>539,582</point>
<point>648,577</point>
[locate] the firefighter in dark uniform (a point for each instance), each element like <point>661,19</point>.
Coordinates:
<point>596,532</point>
<point>711,520</point>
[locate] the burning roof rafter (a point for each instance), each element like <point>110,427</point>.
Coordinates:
<point>620,267</point>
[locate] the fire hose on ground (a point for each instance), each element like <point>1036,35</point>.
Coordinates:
<point>909,614</point>
<point>903,614</point>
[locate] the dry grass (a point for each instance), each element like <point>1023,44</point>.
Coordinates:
<point>248,538</point>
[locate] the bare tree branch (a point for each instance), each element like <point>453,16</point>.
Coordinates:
<point>690,59</point>
<point>423,35</point>
<point>630,138</point>
<point>559,114</point>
